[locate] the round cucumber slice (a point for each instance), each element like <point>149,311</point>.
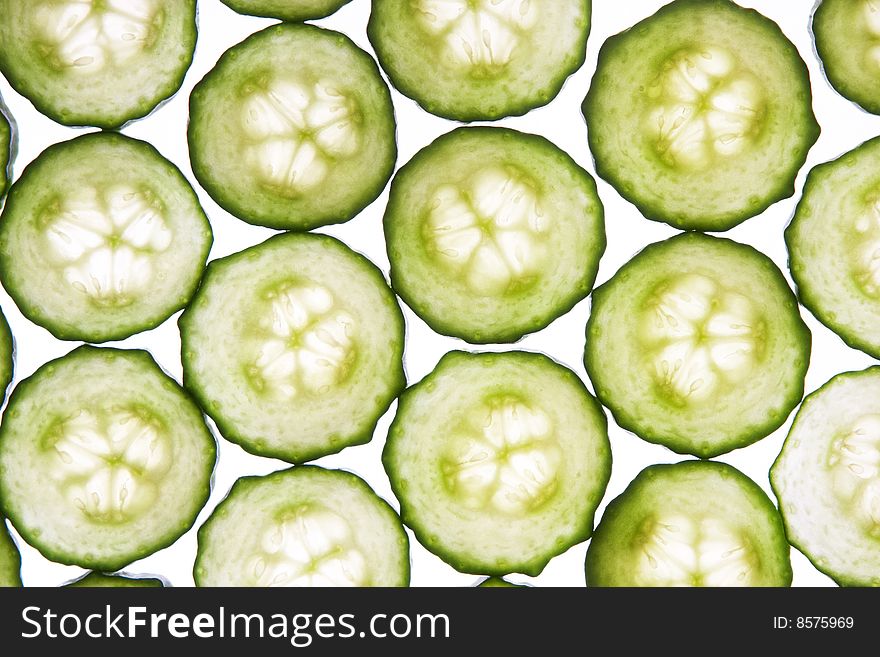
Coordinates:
<point>286,10</point>
<point>472,60</point>
<point>95,580</point>
<point>306,526</point>
<point>293,129</point>
<point>98,62</point>
<point>499,461</point>
<point>827,478</point>
<point>10,559</point>
<point>104,459</point>
<point>294,347</point>
<point>847,36</point>
<point>101,238</point>
<point>701,114</point>
<point>7,148</point>
<point>493,233</point>
<point>696,343</point>
<point>834,246</point>
<point>697,523</point>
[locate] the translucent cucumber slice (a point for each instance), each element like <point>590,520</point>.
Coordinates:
<point>499,461</point>
<point>7,351</point>
<point>294,347</point>
<point>10,559</point>
<point>827,478</point>
<point>697,523</point>
<point>847,37</point>
<point>95,580</point>
<point>834,246</point>
<point>104,459</point>
<point>697,344</point>
<point>493,233</point>
<point>101,238</point>
<point>498,583</point>
<point>472,60</point>
<point>96,62</point>
<point>303,527</point>
<point>701,114</point>
<point>286,10</point>
<point>293,129</point>
<point>7,149</point>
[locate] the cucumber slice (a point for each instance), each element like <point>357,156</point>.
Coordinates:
<point>294,347</point>
<point>499,461</point>
<point>833,241</point>
<point>697,523</point>
<point>286,10</point>
<point>472,60</point>
<point>696,343</point>
<point>7,351</point>
<point>827,478</point>
<point>498,583</point>
<point>10,559</point>
<point>293,129</point>
<point>847,36</point>
<point>493,233</point>
<point>701,114</point>
<point>306,526</point>
<point>101,238</point>
<point>7,148</point>
<point>96,580</point>
<point>104,459</point>
<point>98,62</point>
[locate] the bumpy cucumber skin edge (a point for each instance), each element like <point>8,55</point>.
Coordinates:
<point>796,265</point>
<point>838,83</point>
<point>83,121</point>
<point>229,431</point>
<point>617,506</point>
<point>23,389</point>
<point>12,150</point>
<point>228,201</point>
<point>534,567</point>
<point>254,480</point>
<point>654,212</point>
<point>511,109</point>
<point>625,421</point>
<point>292,15</point>
<point>32,310</point>
<point>565,304</point>
<point>96,579</point>
<point>841,579</point>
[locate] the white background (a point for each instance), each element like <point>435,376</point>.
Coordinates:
<point>844,126</point>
